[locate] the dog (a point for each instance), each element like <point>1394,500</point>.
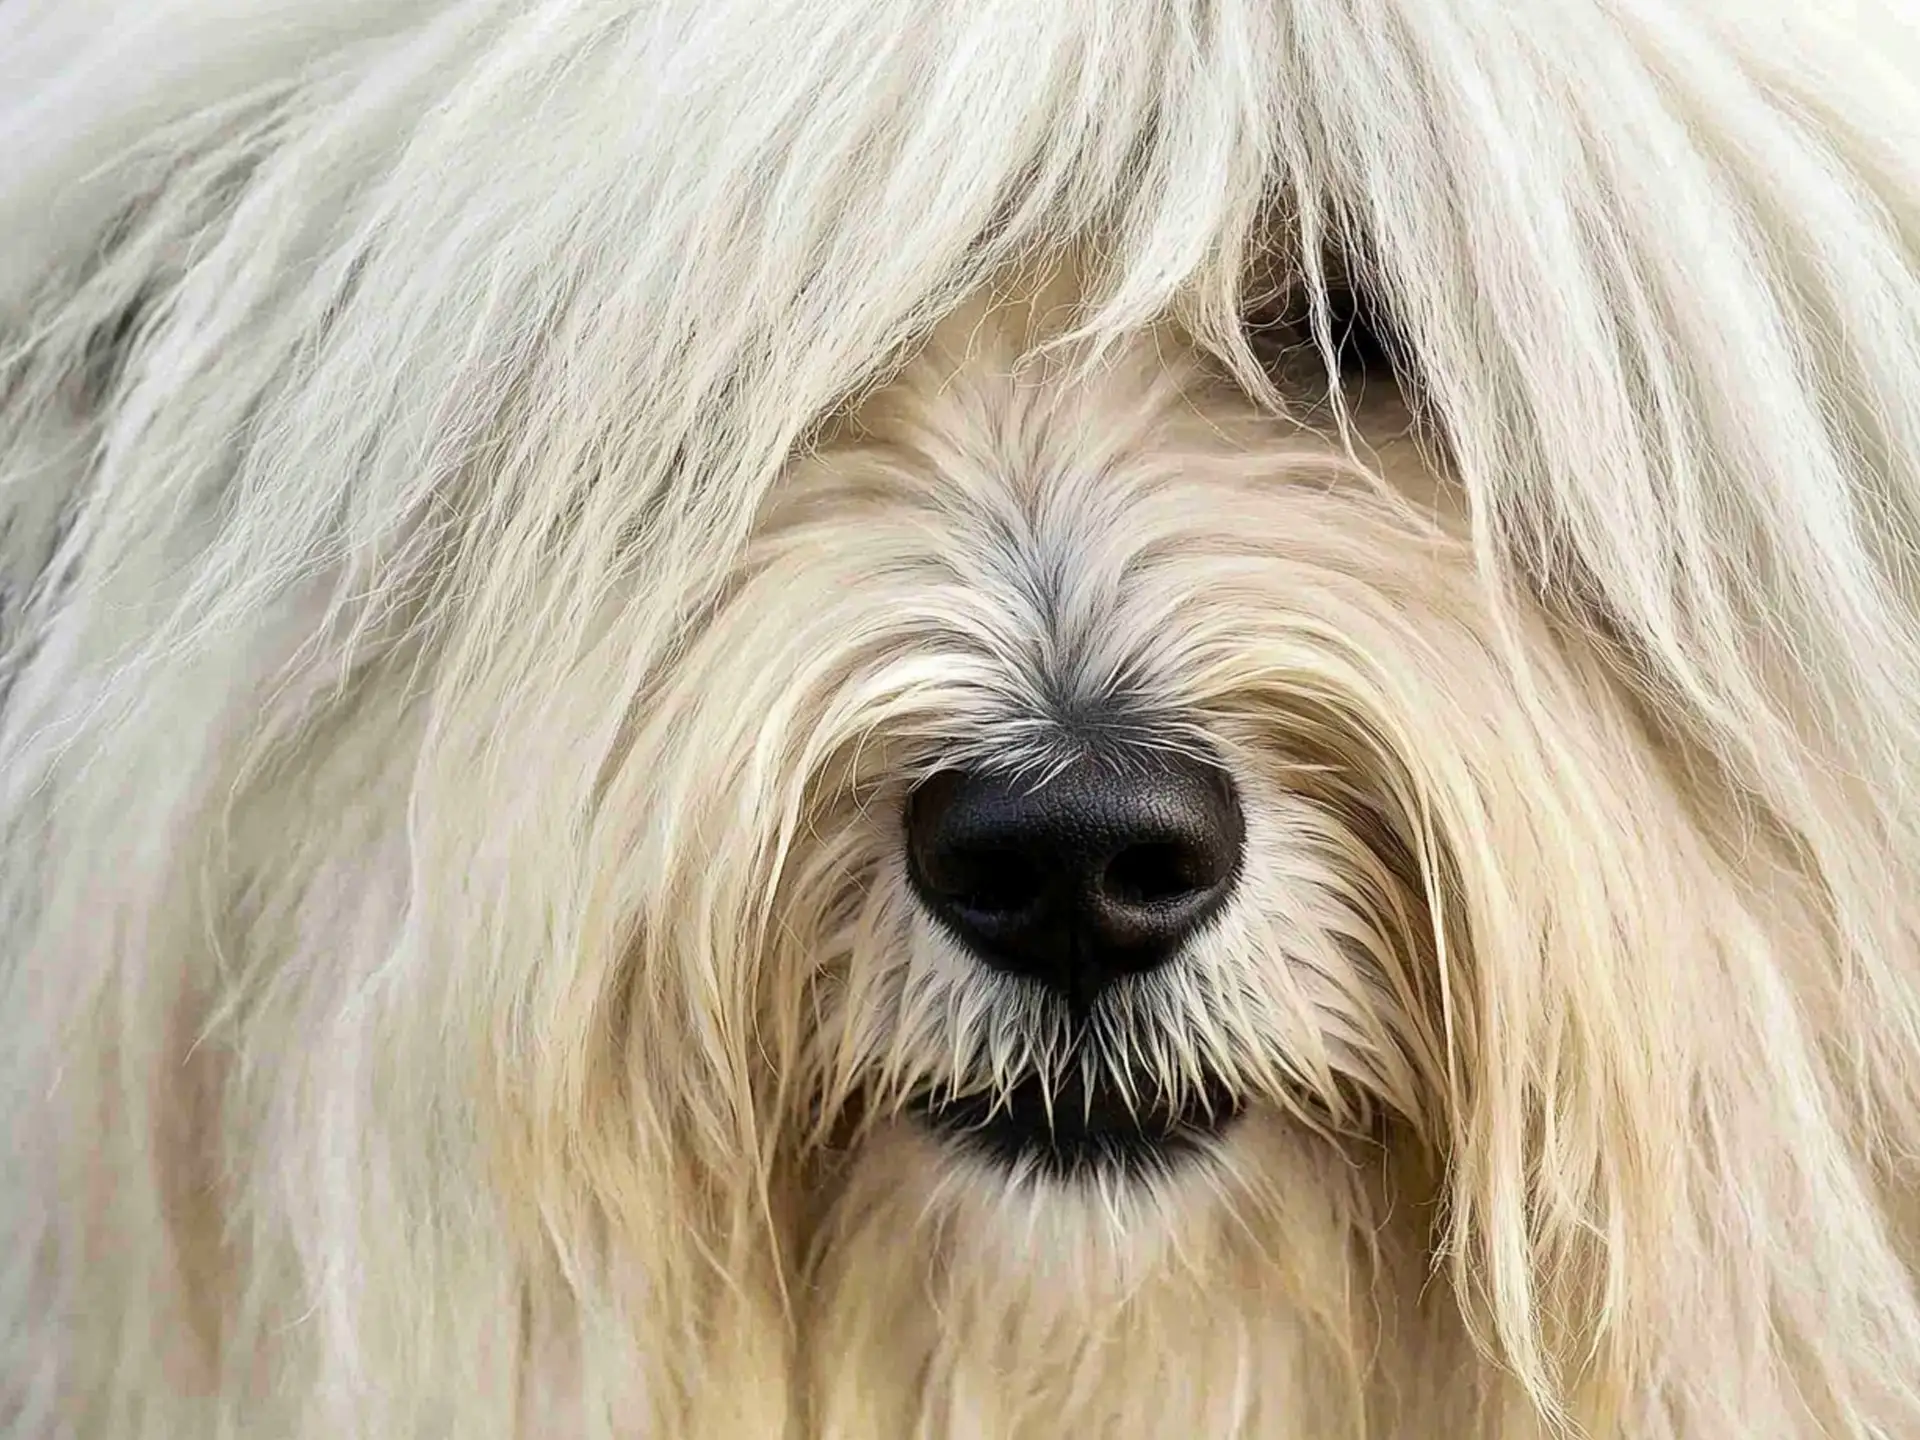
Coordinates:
<point>801,718</point>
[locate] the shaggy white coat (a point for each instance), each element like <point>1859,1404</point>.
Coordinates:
<point>492,522</point>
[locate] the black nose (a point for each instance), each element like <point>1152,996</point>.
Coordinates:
<point>1100,871</point>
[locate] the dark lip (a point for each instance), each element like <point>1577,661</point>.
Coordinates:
<point>1084,1134</point>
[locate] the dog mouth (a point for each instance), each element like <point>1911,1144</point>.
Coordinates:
<point>1070,1129</point>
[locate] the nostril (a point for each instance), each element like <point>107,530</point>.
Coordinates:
<point>1156,874</point>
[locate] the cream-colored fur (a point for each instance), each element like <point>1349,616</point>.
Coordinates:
<point>500,502</point>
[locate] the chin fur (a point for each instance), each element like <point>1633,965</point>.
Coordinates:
<point>504,507</point>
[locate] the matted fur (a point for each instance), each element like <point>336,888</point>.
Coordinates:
<point>499,501</point>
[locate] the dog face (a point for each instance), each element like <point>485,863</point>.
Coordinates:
<point>1121,859</point>
<point>1093,750</point>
